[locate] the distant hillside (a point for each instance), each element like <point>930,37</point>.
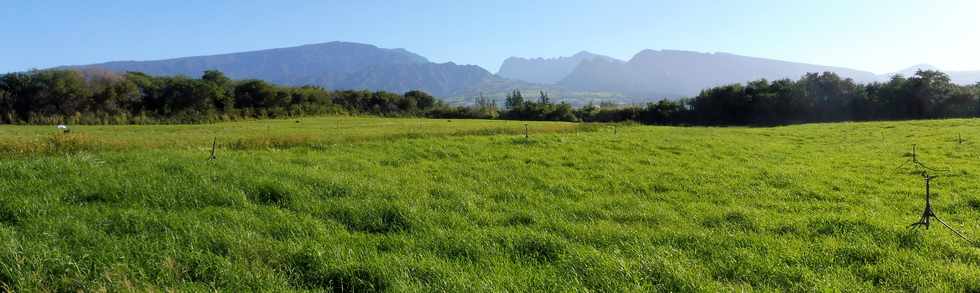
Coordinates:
<point>446,79</point>
<point>326,63</point>
<point>579,79</point>
<point>687,73</point>
<point>546,71</point>
<point>334,65</point>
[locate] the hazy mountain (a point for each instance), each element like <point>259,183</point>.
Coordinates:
<point>325,63</point>
<point>580,78</point>
<point>446,79</point>
<point>684,73</point>
<point>604,75</point>
<point>957,77</point>
<point>334,65</point>
<point>546,71</point>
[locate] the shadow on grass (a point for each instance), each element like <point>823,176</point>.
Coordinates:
<point>309,270</point>
<point>378,220</point>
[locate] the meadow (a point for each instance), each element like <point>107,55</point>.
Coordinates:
<point>349,204</point>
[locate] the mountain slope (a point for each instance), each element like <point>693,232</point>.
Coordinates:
<point>601,75</point>
<point>445,79</point>
<point>326,63</point>
<point>670,72</point>
<point>546,71</point>
<point>334,65</point>
<point>581,78</point>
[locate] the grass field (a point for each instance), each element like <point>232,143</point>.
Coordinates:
<point>306,132</point>
<point>370,204</point>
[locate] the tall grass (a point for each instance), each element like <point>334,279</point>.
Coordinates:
<point>477,207</point>
<point>306,132</point>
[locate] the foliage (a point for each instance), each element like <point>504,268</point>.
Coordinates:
<point>814,98</point>
<point>77,97</point>
<point>543,110</point>
<point>94,97</point>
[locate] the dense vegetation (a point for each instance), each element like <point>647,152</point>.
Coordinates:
<point>93,97</point>
<point>814,98</point>
<point>354,204</point>
<point>99,97</point>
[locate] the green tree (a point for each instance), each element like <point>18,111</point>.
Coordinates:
<point>220,89</point>
<point>61,92</point>
<point>562,112</point>
<point>486,107</point>
<point>514,100</point>
<point>115,95</point>
<point>255,94</point>
<point>216,77</point>
<point>423,100</point>
<point>928,89</point>
<point>543,98</point>
<point>7,114</point>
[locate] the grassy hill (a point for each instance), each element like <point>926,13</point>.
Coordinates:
<point>364,204</point>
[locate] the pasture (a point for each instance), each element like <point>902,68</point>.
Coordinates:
<point>374,204</point>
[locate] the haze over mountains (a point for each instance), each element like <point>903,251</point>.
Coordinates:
<point>547,71</point>
<point>334,65</point>
<point>673,73</point>
<point>684,73</point>
<point>585,76</point>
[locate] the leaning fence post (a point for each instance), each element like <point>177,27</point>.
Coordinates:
<point>214,146</point>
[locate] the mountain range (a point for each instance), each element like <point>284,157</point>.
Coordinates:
<point>670,73</point>
<point>684,73</point>
<point>578,78</point>
<point>334,65</point>
<point>547,71</point>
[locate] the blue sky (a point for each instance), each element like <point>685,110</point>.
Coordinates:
<point>880,36</point>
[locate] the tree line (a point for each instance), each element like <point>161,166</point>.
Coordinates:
<point>101,97</point>
<point>815,97</point>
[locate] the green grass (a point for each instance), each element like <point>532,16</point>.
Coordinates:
<point>308,132</point>
<point>436,205</point>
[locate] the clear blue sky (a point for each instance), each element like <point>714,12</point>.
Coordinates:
<point>881,36</point>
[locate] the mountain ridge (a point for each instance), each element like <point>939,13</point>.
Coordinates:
<point>686,73</point>
<point>583,76</point>
<point>674,73</point>
<point>334,65</point>
<point>546,70</point>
